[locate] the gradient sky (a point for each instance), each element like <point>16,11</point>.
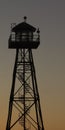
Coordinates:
<point>49,58</point>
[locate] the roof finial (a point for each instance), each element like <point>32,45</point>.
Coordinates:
<point>25,18</point>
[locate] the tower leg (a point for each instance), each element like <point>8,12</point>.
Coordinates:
<point>12,94</point>
<point>36,95</point>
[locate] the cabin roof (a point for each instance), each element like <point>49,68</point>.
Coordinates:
<point>23,27</point>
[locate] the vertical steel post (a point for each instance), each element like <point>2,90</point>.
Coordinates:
<point>12,94</point>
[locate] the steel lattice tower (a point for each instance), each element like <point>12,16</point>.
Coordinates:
<point>24,96</point>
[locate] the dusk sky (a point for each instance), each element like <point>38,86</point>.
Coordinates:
<point>49,58</point>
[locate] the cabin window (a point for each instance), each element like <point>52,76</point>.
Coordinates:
<point>13,36</point>
<point>17,37</point>
<point>30,36</point>
<point>24,37</point>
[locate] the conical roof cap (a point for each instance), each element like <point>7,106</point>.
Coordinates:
<point>23,27</point>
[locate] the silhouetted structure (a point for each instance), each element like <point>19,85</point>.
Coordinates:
<point>24,96</point>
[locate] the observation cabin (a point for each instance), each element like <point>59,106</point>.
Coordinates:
<point>24,35</point>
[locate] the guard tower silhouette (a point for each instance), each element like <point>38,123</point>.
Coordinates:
<point>24,96</point>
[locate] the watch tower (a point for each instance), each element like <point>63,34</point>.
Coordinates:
<point>24,102</point>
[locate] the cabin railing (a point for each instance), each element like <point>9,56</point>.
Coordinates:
<point>24,38</point>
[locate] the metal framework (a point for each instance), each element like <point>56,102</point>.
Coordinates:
<point>26,96</point>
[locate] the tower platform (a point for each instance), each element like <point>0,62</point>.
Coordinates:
<point>24,35</point>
